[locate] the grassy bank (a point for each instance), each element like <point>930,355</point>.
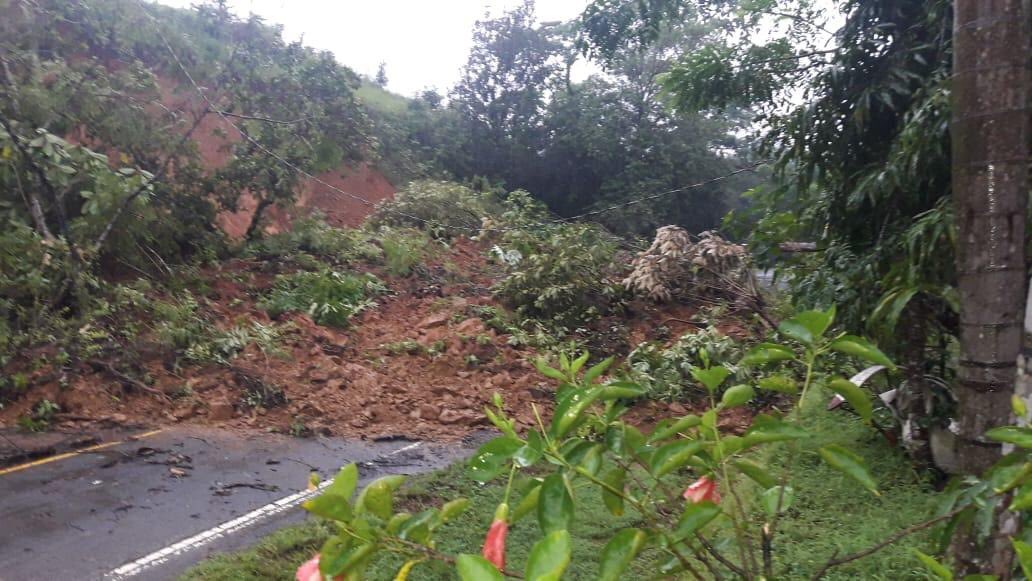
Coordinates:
<point>830,514</point>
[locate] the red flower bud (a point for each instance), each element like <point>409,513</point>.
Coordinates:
<point>494,543</point>
<point>701,490</point>
<point>309,571</point>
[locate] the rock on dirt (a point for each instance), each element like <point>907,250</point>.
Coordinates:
<point>220,411</point>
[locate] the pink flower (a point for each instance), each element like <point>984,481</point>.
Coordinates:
<point>309,571</point>
<point>701,490</point>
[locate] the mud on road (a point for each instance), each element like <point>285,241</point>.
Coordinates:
<point>150,508</point>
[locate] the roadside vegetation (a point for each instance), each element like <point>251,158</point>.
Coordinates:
<point>569,264</point>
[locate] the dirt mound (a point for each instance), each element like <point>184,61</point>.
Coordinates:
<point>419,365</point>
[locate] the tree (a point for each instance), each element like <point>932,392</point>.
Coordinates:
<point>381,75</point>
<point>992,152</point>
<point>512,69</point>
<point>855,121</point>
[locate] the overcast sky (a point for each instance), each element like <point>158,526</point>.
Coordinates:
<point>423,42</point>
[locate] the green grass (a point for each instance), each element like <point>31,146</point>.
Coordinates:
<point>833,513</point>
<point>829,513</point>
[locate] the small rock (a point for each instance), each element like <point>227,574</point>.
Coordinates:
<point>429,411</point>
<point>678,409</point>
<point>318,376</point>
<point>220,411</point>
<point>449,417</point>
<point>434,320</point>
<point>119,418</point>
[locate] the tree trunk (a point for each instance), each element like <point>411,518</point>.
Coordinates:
<point>256,218</point>
<point>991,135</point>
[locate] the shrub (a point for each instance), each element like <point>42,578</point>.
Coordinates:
<point>312,235</point>
<point>328,296</point>
<point>562,277</point>
<point>666,373</point>
<point>433,205</point>
<point>403,249</point>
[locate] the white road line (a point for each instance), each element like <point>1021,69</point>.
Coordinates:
<point>158,557</point>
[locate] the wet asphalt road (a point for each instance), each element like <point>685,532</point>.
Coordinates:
<point>97,513</point>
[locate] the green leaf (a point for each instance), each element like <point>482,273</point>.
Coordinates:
<point>808,325</point>
<point>696,515</point>
<point>570,409</point>
<point>711,377</point>
<point>351,561</point>
<point>377,498</point>
<point>622,438</point>
<point>755,472</point>
<point>555,505</point>
<point>861,348</point>
<point>668,428</point>
<point>934,567</point>
<point>674,455</point>
<point>1024,552</point>
<point>1022,499</point>
<point>849,464</point>
<point>615,478</point>
<point>453,508</point>
<point>491,458</point>
<point>345,482</point>
<point>771,496</point>
<point>766,353</point>
<point>737,395</point>
<point>619,552</point>
<point>417,528</point>
<point>1019,436</point>
<point>527,504</point>
<point>333,555</point>
<point>331,506</point>
<point>779,383</point>
<point>476,568</point>
<point>578,363</point>
<point>549,557</point>
<point>591,462</point>
<point>531,452</point>
<point>858,399</point>
<point>596,371</point>
<point>766,428</point>
<point>1019,406</point>
<point>621,390</point>
<point>547,371</point>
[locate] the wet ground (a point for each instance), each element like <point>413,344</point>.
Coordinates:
<point>150,508</point>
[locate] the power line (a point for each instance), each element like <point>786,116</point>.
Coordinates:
<point>433,223</point>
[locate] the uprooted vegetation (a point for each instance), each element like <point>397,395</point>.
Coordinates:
<point>389,328</point>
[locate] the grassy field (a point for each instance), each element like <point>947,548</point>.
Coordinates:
<point>829,514</point>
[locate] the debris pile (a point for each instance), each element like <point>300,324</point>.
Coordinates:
<point>675,265</point>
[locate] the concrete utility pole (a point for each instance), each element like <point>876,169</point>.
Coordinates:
<point>992,139</point>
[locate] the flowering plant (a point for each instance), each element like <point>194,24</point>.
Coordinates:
<point>683,479</point>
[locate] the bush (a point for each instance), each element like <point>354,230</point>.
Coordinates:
<point>561,276</point>
<point>328,296</point>
<point>403,249</point>
<point>666,373</point>
<point>431,205</point>
<point>312,235</point>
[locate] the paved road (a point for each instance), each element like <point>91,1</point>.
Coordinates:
<point>150,508</point>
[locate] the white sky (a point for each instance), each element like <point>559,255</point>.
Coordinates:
<point>424,42</point>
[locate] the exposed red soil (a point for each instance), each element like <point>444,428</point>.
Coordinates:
<point>348,381</point>
<point>214,139</point>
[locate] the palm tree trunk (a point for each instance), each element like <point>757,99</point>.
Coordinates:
<point>991,136</point>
